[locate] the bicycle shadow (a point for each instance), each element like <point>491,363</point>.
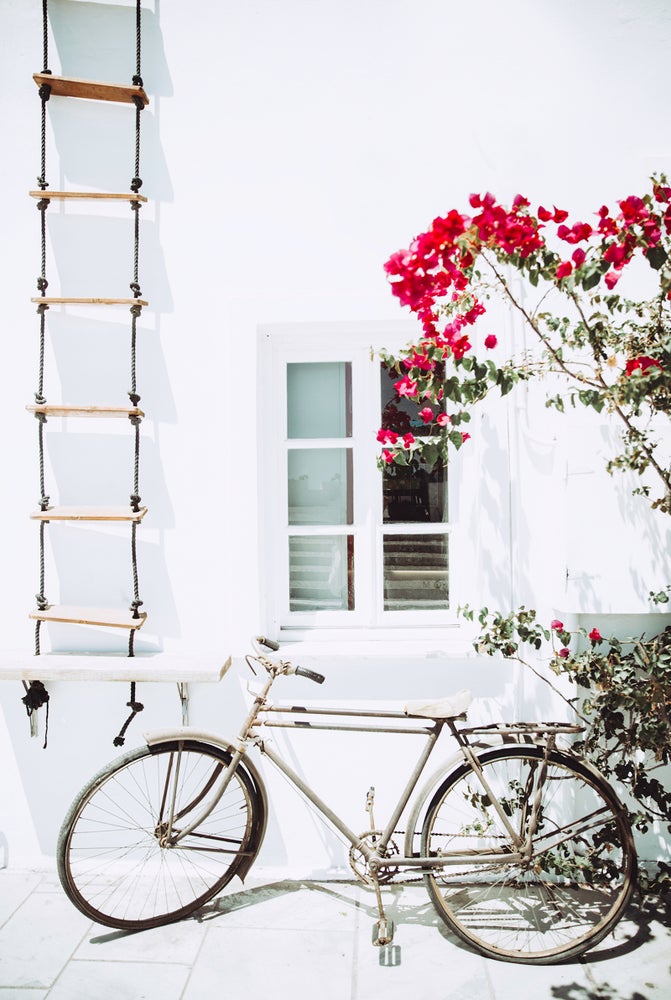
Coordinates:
<point>640,924</point>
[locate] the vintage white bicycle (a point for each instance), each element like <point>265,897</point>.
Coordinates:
<point>525,849</point>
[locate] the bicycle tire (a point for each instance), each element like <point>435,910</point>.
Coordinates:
<point>110,862</point>
<point>572,890</point>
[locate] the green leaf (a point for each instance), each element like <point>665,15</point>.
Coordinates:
<point>656,257</point>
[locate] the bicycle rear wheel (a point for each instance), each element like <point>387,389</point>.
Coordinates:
<point>112,859</point>
<point>578,880</point>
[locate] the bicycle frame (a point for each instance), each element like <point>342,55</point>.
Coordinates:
<point>302,715</point>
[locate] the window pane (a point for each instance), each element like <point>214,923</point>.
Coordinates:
<point>320,486</point>
<point>410,493</point>
<point>401,415</point>
<point>321,573</point>
<point>319,400</point>
<point>415,572</point>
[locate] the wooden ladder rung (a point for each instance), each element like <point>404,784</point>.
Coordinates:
<point>109,617</point>
<point>88,195</point>
<point>92,90</point>
<point>62,410</point>
<point>89,514</point>
<point>60,301</point>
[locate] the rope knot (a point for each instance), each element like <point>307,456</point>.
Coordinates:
<point>43,204</point>
<point>45,92</point>
<point>134,606</point>
<point>137,80</point>
<point>135,289</point>
<point>42,284</point>
<point>136,184</point>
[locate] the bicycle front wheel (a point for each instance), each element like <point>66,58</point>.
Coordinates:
<point>579,873</point>
<point>115,860</point>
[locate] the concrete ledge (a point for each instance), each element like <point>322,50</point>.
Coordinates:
<point>201,668</point>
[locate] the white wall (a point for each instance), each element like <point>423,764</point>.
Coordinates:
<point>288,149</point>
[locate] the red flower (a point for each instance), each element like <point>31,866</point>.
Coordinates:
<point>387,456</point>
<point>556,625</point>
<point>564,652</point>
<point>578,256</point>
<point>491,341</point>
<point>442,419</point>
<point>642,364</point>
<point>406,387</point>
<point>408,439</point>
<point>564,269</point>
<point>595,635</point>
<point>385,436</point>
<point>464,437</point>
<point>426,414</point>
<point>543,214</point>
<point>560,215</point>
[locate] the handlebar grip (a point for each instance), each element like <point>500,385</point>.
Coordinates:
<point>311,675</point>
<point>269,643</point>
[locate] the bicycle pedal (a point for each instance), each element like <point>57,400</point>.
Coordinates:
<point>383,932</point>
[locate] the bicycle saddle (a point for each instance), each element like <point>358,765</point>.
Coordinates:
<point>444,708</point>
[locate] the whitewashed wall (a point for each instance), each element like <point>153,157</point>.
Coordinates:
<point>288,149</point>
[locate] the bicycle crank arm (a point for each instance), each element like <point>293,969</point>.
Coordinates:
<point>383,932</point>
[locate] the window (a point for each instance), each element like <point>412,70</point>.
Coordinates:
<point>349,546</point>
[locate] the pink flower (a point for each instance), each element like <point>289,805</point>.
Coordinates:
<point>406,387</point>
<point>556,625</point>
<point>595,635</point>
<point>490,341</point>
<point>613,277</point>
<point>442,420</point>
<point>426,414</point>
<point>465,437</point>
<point>564,652</point>
<point>388,456</point>
<point>564,269</point>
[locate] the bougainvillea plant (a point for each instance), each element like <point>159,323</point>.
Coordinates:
<point>602,350</point>
<point>621,695</point>
<point>611,353</point>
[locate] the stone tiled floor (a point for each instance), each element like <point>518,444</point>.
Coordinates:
<point>277,938</point>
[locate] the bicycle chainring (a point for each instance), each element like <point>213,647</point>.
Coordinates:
<point>359,865</point>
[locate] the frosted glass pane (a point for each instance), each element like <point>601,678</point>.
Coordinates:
<point>319,400</point>
<point>415,572</point>
<point>321,573</point>
<point>320,486</point>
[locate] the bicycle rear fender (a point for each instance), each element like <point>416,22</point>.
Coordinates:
<point>194,735</point>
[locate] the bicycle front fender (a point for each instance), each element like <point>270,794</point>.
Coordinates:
<point>193,735</point>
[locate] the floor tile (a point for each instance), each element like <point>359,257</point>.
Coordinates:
<point>120,981</point>
<point>10,993</point>
<point>272,963</point>
<point>177,942</point>
<point>15,887</point>
<point>293,905</point>
<point>39,939</point>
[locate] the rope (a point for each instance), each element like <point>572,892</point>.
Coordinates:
<point>137,79</point>
<point>135,706</point>
<point>37,695</point>
<point>45,36</point>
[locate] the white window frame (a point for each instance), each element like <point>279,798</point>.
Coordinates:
<point>280,345</point>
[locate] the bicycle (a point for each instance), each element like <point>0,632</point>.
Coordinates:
<point>525,849</point>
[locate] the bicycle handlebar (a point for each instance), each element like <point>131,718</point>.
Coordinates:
<point>269,643</point>
<point>311,675</point>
